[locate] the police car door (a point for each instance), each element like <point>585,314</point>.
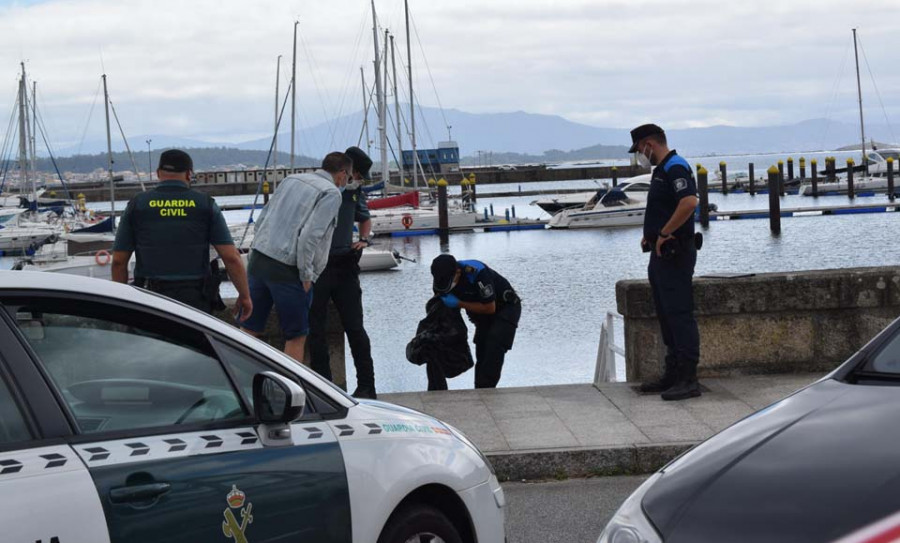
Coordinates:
<point>168,437</point>
<point>48,495</point>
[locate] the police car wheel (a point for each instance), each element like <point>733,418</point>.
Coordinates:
<point>419,524</point>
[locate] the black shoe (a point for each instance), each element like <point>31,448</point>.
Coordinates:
<point>686,386</point>
<point>665,382</point>
<point>367,393</point>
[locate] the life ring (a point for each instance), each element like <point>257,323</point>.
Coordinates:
<point>407,221</point>
<point>102,257</point>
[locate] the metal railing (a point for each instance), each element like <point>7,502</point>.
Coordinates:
<point>605,371</point>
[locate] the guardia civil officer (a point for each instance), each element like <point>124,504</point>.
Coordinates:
<point>340,282</point>
<point>170,228</point>
<point>669,237</point>
<point>491,304</point>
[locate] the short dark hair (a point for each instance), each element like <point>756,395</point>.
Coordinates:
<point>336,161</point>
<point>658,138</point>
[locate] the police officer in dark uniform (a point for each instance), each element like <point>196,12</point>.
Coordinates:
<point>340,282</point>
<point>669,237</point>
<point>171,228</point>
<point>491,304</point>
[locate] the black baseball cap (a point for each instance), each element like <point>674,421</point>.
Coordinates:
<point>175,160</point>
<point>361,161</point>
<point>443,268</point>
<point>642,132</point>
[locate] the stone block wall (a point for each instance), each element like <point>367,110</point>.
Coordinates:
<point>767,323</point>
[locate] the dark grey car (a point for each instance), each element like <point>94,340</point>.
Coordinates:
<point>814,466</point>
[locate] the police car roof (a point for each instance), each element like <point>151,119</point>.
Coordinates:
<point>74,284</point>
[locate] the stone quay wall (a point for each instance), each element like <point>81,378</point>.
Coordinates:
<point>792,322</point>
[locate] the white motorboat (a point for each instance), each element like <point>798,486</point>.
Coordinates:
<point>615,208</point>
<point>400,219</point>
<point>19,239</point>
<point>841,188</point>
<point>557,203</point>
<point>55,258</point>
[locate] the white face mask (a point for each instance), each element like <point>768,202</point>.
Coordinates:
<point>642,158</point>
<point>353,185</point>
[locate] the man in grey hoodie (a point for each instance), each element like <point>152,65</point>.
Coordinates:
<point>290,249</point>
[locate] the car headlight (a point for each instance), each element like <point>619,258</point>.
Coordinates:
<point>630,524</point>
<point>462,437</point>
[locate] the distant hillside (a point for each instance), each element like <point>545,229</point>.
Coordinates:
<point>208,158</point>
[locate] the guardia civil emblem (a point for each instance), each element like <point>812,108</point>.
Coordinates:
<point>231,528</point>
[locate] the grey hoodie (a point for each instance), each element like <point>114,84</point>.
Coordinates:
<point>296,226</point>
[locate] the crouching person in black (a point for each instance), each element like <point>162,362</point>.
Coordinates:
<point>491,304</point>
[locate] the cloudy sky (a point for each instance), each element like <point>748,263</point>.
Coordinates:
<point>206,68</point>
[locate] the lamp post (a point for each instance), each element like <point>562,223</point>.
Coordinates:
<point>149,162</point>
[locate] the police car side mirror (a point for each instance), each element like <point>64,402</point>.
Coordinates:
<point>277,399</point>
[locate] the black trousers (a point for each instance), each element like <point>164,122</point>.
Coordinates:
<point>494,335</point>
<point>340,283</point>
<point>191,293</point>
<point>671,281</point>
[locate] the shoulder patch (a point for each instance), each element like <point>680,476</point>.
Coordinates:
<point>681,184</point>
<point>486,290</point>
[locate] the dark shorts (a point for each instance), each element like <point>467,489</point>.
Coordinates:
<point>291,304</point>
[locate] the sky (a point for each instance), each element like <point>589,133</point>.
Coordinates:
<point>206,69</point>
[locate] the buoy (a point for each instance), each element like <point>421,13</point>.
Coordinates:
<point>102,257</point>
<point>407,221</point>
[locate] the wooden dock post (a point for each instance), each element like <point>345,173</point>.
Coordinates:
<point>723,173</point>
<point>790,168</point>
<point>472,186</point>
<point>815,177</point>
<point>513,211</point>
<point>492,210</point>
<point>802,168</point>
<point>615,176</point>
<point>752,181</point>
<point>265,191</point>
<point>443,220</point>
<point>890,178</point>
<point>851,190</point>
<point>774,202</point>
<point>829,169</point>
<point>780,188</point>
<point>703,188</point>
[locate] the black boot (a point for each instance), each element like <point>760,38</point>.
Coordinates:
<point>366,392</point>
<point>666,381</point>
<point>686,386</point>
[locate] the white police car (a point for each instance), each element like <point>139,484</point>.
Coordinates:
<point>125,416</point>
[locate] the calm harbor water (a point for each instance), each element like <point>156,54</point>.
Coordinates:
<point>567,278</point>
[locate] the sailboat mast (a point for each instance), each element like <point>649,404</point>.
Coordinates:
<point>294,95</point>
<point>365,95</point>
<point>384,99</point>
<point>34,136</point>
<point>397,114</point>
<point>412,101</point>
<point>23,136</point>
<point>275,143</point>
<point>379,93</point>
<point>862,127</point>
<point>109,159</point>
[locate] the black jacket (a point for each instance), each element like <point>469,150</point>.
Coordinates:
<point>441,337</point>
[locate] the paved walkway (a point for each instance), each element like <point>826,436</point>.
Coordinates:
<point>578,430</point>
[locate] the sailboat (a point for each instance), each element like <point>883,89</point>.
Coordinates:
<point>874,163</point>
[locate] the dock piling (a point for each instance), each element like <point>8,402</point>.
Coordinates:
<point>851,190</point>
<point>492,210</point>
<point>829,169</point>
<point>802,168</point>
<point>723,173</point>
<point>890,178</point>
<point>506,212</point>
<point>790,168</point>
<point>513,211</point>
<point>752,181</point>
<point>774,202</point>
<point>265,191</point>
<point>815,177</point>
<point>780,187</point>
<point>472,187</point>
<point>443,221</point>
<point>615,176</point>
<point>703,188</point>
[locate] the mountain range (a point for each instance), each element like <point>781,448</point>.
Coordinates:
<point>531,134</point>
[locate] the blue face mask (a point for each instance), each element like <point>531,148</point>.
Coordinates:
<point>341,188</point>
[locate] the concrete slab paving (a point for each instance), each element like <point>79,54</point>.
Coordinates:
<point>579,430</point>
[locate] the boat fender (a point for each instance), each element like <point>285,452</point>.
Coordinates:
<point>407,221</point>
<point>102,258</point>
